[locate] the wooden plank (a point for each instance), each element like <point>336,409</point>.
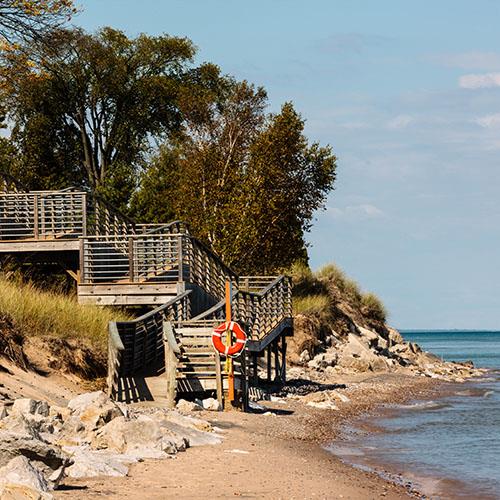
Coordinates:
<point>128,289</point>
<point>39,246</point>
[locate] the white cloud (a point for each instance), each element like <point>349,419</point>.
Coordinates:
<point>362,211</point>
<point>488,121</point>
<point>400,121</point>
<point>479,81</point>
<point>485,61</point>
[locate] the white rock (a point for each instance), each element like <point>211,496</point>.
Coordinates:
<point>304,356</point>
<point>142,438</point>
<point>20,471</point>
<point>188,406</point>
<point>30,406</point>
<point>212,404</point>
<point>94,409</point>
<point>92,463</point>
<point>3,411</point>
<point>324,405</point>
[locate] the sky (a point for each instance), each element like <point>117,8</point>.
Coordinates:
<point>408,95</point>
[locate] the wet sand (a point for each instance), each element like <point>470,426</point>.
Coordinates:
<point>272,456</point>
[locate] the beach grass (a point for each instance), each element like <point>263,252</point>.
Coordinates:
<point>37,312</point>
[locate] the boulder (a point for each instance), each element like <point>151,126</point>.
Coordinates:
<point>382,343</point>
<point>20,424</point>
<point>3,411</point>
<point>188,421</point>
<point>394,336</point>
<point>188,406</point>
<point>212,404</point>
<point>22,492</point>
<point>94,409</point>
<point>368,336</point>
<point>20,471</point>
<point>141,437</point>
<point>92,463</point>
<point>28,406</point>
<point>13,444</point>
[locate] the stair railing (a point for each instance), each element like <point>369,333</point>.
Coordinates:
<point>138,344</point>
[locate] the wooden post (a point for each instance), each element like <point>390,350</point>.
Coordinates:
<point>230,374</point>
<point>269,363</point>
<point>82,260</point>
<point>276,360</point>
<point>180,259</point>
<point>218,381</point>
<point>84,214</point>
<point>170,373</point>
<point>171,349</point>
<point>283,359</point>
<point>131,259</point>
<point>35,217</point>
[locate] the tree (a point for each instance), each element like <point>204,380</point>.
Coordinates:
<point>247,183</point>
<point>88,107</point>
<point>27,19</point>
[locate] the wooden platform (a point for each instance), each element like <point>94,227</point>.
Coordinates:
<point>126,294</point>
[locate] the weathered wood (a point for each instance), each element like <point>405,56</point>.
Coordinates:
<point>30,246</point>
<point>219,381</point>
<point>170,348</point>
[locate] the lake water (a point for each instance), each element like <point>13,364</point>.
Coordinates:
<point>449,447</point>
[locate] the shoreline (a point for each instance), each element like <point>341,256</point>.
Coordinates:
<point>281,455</point>
<point>419,478</point>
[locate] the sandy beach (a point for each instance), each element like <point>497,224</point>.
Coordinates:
<point>271,456</point>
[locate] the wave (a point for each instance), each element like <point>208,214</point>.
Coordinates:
<point>424,405</point>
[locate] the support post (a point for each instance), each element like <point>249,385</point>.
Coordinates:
<point>36,233</point>
<point>171,349</point>
<point>84,214</point>
<point>218,375</point>
<point>276,361</point>
<point>269,364</point>
<point>131,259</point>
<point>180,259</point>
<point>283,359</point>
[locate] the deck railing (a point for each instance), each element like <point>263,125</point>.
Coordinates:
<point>63,214</point>
<point>43,215</point>
<point>131,258</point>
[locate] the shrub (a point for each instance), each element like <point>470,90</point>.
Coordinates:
<point>373,308</point>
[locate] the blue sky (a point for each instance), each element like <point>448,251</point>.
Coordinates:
<point>408,95</point>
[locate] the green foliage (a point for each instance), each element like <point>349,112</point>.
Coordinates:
<point>373,308</point>
<point>86,107</point>
<point>247,183</point>
<point>43,313</point>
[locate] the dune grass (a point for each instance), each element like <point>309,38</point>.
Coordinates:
<point>46,313</point>
<point>315,291</point>
<point>373,308</point>
<point>311,304</point>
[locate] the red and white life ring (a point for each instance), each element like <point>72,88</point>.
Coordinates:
<point>232,349</point>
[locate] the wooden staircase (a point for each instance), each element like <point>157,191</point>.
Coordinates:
<point>119,262</point>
